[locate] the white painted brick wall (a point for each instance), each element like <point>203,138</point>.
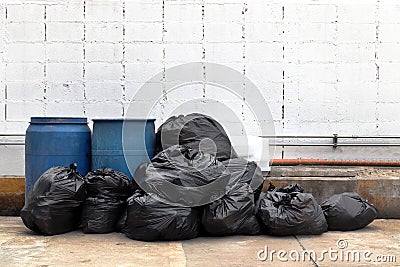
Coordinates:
<point>64,52</point>
<point>19,111</point>
<point>104,52</point>
<point>324,66</point>
<point>25,52</point>
<point>65,31</point>
<point>100,31</point>
<point>193,52</point>
<point>25,91</point>
<point>25,31</point>
<point>24,71</point>
<point>102,91</point>
<point>64,71</point>
<point>67,90</point>
<point>104,10</point>
<point>71,11</point>
<point>101,71</point>
<point>140,72</point>
<point>72,109</point>
<point>24,12</point>
<point>145,32</point>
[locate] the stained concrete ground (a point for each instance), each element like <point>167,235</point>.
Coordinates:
<point>21,247</point>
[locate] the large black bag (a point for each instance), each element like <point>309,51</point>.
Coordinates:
<point>54,205</point>
<point>234,213</point>
<point>150,220</point>
<point>186,167</point>
<point>290,214</point>
<point>107,192</point>
<point>192,129</point>
<point>348,211</point>
<point>183,175</point>
<point>243,171</point>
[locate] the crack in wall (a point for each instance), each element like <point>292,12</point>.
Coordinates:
<point>283,81</point>
<point>244,10</point>
<point>45,63</point>
<point>123,60</point>
<point>203,49</point>
<point>85,101</point>
<point>5,73</point>
<point>376,64</point>
<point>164,92</point>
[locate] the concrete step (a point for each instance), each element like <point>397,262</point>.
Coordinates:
<point>320,187</point>
<point>380,186</point>
<point>383,192</point>
<point>12,195</point>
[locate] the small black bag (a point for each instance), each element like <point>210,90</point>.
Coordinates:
<point>290,214</point>
<point>150,220</point>
<point>107,192</point>
<point>54,206</point>
<point>348,211</point>
<point>234,213</point>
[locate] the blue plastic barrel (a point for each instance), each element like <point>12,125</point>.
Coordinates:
<point>53,142</point>
<point>109,151</point>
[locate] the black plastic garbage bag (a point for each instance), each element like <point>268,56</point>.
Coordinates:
<point>150,220</point>
<point>54,206</point>
<point>291,188</point>
<point>234,213</point>
<point>107,192</point>
<point>184,176</point>
<point>243,171</point>
<point>195,131</point>
<point>348,211</point>
<point>290,214</point>
<point>121,221</point>
<point>185,166</point>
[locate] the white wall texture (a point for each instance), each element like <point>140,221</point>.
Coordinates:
<point>324,66</point>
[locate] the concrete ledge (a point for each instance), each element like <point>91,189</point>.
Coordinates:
<point>380,186</point>
<point>313,171</point>
<point>383,192</point>
<point>320,187</point>
<point>12,195</point>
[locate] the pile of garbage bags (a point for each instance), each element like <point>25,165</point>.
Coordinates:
<point>179,175</point>
<point>190,188</point>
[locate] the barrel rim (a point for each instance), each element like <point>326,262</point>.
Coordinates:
<point>122,119</point>
<point>61,120</point>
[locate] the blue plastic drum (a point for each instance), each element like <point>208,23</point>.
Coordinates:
<point>55,142</point>
<point>108,150</point>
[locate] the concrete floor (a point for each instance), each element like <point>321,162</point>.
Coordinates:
<point>21,247</point>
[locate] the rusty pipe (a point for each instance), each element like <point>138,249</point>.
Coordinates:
<point>374,163</point>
